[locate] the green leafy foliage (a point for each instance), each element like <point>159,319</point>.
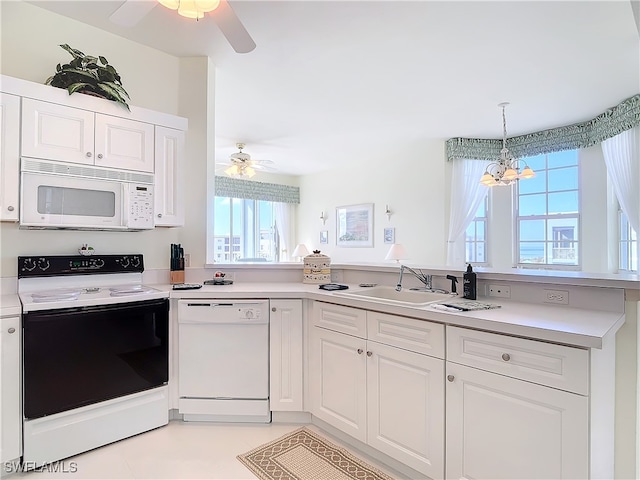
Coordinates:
<point>91,75</point>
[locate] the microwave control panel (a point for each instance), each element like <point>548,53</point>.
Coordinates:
<point>140,206</point>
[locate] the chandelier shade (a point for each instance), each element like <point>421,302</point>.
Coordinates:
<point>505,170</point>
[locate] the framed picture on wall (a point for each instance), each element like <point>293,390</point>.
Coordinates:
<point>324,236</point>
<point>354,225</point>
<point>390,235</point>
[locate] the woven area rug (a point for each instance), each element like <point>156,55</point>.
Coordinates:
<point>305,455</point>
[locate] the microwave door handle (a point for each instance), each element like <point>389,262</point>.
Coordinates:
<point>124,203</point>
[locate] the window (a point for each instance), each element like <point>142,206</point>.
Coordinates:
<point>244,230</point>
<point>476,236</point>
<point>628,260</point>
<point>548,212</point>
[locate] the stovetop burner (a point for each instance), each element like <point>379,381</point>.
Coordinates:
<point>67,281</point>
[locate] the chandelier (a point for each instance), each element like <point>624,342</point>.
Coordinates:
<point>191,8</point>
<point>506,170</point>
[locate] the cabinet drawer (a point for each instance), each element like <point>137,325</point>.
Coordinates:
<point>557,366</point>
<point>352,321</point>
<point>408,333</point>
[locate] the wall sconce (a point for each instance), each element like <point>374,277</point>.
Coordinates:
<point>388,212</point>
<point>323,217</point>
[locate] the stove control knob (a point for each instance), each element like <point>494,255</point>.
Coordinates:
<point>43,264</point>
<point>28,264</point>
<point>124,262</point>
<point>98,262</point>
<point>135,261</point>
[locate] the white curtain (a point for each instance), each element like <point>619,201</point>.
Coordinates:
<point>622,157</point>
<point>283,224</point>
<point>467,193</point>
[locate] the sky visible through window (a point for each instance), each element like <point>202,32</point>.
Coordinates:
<point>548,208</point>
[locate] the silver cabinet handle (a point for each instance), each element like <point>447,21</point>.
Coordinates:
<point>89,154</point>
<point>273,309</point>
<point>369,353</point>
<point>506,357</point>
<point>451,378</point>
<point>11,330</point>
<point>360,351</point>
<point>159,215</point>
<point>10,208</point>
<point>99,155</point>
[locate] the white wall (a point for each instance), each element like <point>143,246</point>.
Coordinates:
<point>415,186</point>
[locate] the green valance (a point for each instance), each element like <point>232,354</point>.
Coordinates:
<point>618,119</point>
<point>271,192</point>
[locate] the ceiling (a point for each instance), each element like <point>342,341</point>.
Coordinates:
<point>334,82</point>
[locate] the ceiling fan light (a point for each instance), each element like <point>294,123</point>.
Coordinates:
<point>232,170</point>
<point>171,4</point>
<point>249,172</point>
<point>189,9</point>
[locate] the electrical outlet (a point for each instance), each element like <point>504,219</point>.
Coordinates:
<point>187,259</point>
<point>501,291</point>
<point>556,296</point>
<point>336,276</point>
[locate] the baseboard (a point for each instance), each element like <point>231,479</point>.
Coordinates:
<point>291,417</point>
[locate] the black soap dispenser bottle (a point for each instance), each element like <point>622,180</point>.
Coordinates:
<point>469,284</point>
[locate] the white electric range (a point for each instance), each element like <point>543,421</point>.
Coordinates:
<point>95,353</point>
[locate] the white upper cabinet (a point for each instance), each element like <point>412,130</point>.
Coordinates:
<point>169,157</point>
<point>68,134</point>
<point>124,143</point>
<point>9,156</point>
<point>57,132</point>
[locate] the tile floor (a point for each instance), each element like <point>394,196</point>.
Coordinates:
<point>177,451</point>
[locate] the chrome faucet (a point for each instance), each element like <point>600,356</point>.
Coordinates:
<point>424,278</point>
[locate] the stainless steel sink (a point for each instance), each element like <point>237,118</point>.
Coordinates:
<point>403,297</point>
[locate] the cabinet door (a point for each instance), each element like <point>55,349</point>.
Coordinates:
<point>9,156</point>
<point>338,368</point>
<point>285,330</point>
<point>10,414</point>
<point>169,155</point>
<point>405,407</point>
<point>123,143</point>
<point>57,132</point>
<point>503,428</point>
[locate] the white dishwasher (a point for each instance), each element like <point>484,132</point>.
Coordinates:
<point>223,360</point>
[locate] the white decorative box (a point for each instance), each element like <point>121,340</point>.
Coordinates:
<point>317,268</point>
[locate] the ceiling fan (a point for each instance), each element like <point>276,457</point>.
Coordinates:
<point>132,11</point>
<point>242,165</point>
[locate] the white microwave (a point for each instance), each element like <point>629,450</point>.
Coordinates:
<point>74,196</point>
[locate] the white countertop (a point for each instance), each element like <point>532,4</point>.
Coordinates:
<point>558,324</point>
<point>10,305</point>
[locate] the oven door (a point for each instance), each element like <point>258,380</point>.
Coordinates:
<point>68,201</point>
<point>80,356</point>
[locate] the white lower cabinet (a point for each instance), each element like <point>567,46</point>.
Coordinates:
<point>504,428</point>
<point>10,400</point>
<point>385,396</point>
<point>519,409</point>
<point>285,355</point>
<point>493,407</point>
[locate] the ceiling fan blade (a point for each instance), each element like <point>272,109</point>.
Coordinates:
<point>232,28</point>
<point>131,12</point>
